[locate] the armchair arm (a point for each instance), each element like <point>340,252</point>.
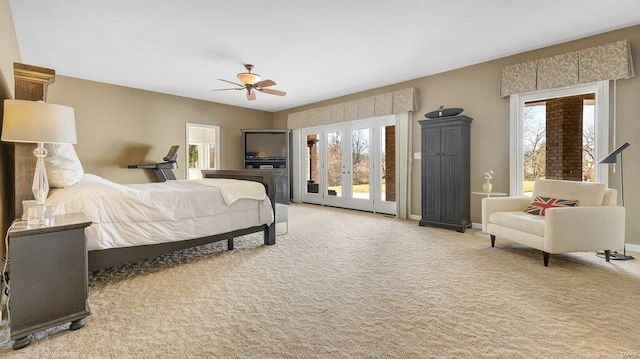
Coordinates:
<point>584,229</point>
<point>502,204</point>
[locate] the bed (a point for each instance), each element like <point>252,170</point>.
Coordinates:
<point>134,222</point>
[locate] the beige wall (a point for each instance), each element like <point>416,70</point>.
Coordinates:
<point>9,54</point>
<point>118,126</point>
<point>476,89</point>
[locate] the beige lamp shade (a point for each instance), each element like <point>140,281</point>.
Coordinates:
<point>33,122</point>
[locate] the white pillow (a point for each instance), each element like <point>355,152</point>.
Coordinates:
<point>62,164</point>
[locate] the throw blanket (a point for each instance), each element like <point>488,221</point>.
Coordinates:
<point>233,190</point>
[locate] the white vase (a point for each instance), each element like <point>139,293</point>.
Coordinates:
<point>487,186</point>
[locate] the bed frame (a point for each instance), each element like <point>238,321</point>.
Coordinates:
<point>105,258</point>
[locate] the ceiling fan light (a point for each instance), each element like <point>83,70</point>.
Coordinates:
<point>247,78</point>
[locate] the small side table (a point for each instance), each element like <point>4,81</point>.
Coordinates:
<point>487,194</point>
<point>48,276</point>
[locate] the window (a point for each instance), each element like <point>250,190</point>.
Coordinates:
<point>559,139</point>
<point>595,106</point>
<point>203,143</point>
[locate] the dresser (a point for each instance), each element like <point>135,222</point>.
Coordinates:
<point>269,150</point>
<point>445,153</point>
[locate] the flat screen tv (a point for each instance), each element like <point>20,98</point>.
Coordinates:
<point>265,145</point>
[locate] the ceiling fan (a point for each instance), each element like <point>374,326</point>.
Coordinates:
<point>251,83</point>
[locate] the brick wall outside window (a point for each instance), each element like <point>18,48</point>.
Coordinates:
<point>564,138</point>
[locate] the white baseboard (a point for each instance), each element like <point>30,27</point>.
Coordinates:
<point>476,225</point>
<point>415,217</point>
<point>633,247</point>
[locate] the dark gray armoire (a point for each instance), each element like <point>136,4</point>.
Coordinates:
<point>445,172</point>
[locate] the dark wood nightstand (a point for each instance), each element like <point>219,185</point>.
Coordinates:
<point>48,276</point>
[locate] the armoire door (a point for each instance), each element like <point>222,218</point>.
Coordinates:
<point>451,174</point>
<point>431,174</point>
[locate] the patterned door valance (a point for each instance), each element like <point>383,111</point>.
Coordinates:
<point>606,62</point>
<point>399,101</point>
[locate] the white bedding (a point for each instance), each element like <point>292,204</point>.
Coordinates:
<point>140,214</point>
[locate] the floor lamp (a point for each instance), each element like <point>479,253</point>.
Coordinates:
<point>613,158</point>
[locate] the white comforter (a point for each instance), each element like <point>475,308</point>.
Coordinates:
<point>128,215</point>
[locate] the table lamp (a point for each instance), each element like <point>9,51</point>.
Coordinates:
<point>38,122</point>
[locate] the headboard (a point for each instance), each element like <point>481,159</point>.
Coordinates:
<point>24,167</point>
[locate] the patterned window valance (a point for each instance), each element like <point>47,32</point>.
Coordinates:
<point>606,62</point>
<point>405,100</point>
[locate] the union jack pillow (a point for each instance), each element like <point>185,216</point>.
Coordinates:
<point>540,204</point>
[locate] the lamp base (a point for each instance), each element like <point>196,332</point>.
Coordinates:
<point>40,215</point>
<point>620,256</point>
<point>616,256</point>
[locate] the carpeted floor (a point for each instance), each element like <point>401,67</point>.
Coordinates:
<point>348,284</point>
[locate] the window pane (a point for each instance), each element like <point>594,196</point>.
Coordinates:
<point>334,164</point>
<point>212,155</point>
<point>388,163</point>
<point>588,141</point>
<point>193,156</point>
<point>535,139</point>
<point>360,163</point>
<point>313,163</point>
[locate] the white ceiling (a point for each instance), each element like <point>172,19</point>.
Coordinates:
<point>313,50</point>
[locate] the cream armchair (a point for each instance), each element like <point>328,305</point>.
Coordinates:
<point>596,223</point>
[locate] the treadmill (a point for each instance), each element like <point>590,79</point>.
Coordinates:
<point>163,170</point>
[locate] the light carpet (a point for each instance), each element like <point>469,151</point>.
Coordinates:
<point>349,284</point>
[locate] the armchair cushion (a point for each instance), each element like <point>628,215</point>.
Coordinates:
<point>519,221</point>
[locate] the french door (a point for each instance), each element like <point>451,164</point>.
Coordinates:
<point>351,165</point>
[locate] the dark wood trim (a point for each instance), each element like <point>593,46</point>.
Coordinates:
<point>34,74</point>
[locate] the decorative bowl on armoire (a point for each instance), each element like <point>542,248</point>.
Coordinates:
<point>444,112</point>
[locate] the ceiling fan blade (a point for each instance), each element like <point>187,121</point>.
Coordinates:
<point>233,83</point>
<point>264,83</point>
<point>251,95</point>
<point>273,92</point>
<point>235,88</point>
